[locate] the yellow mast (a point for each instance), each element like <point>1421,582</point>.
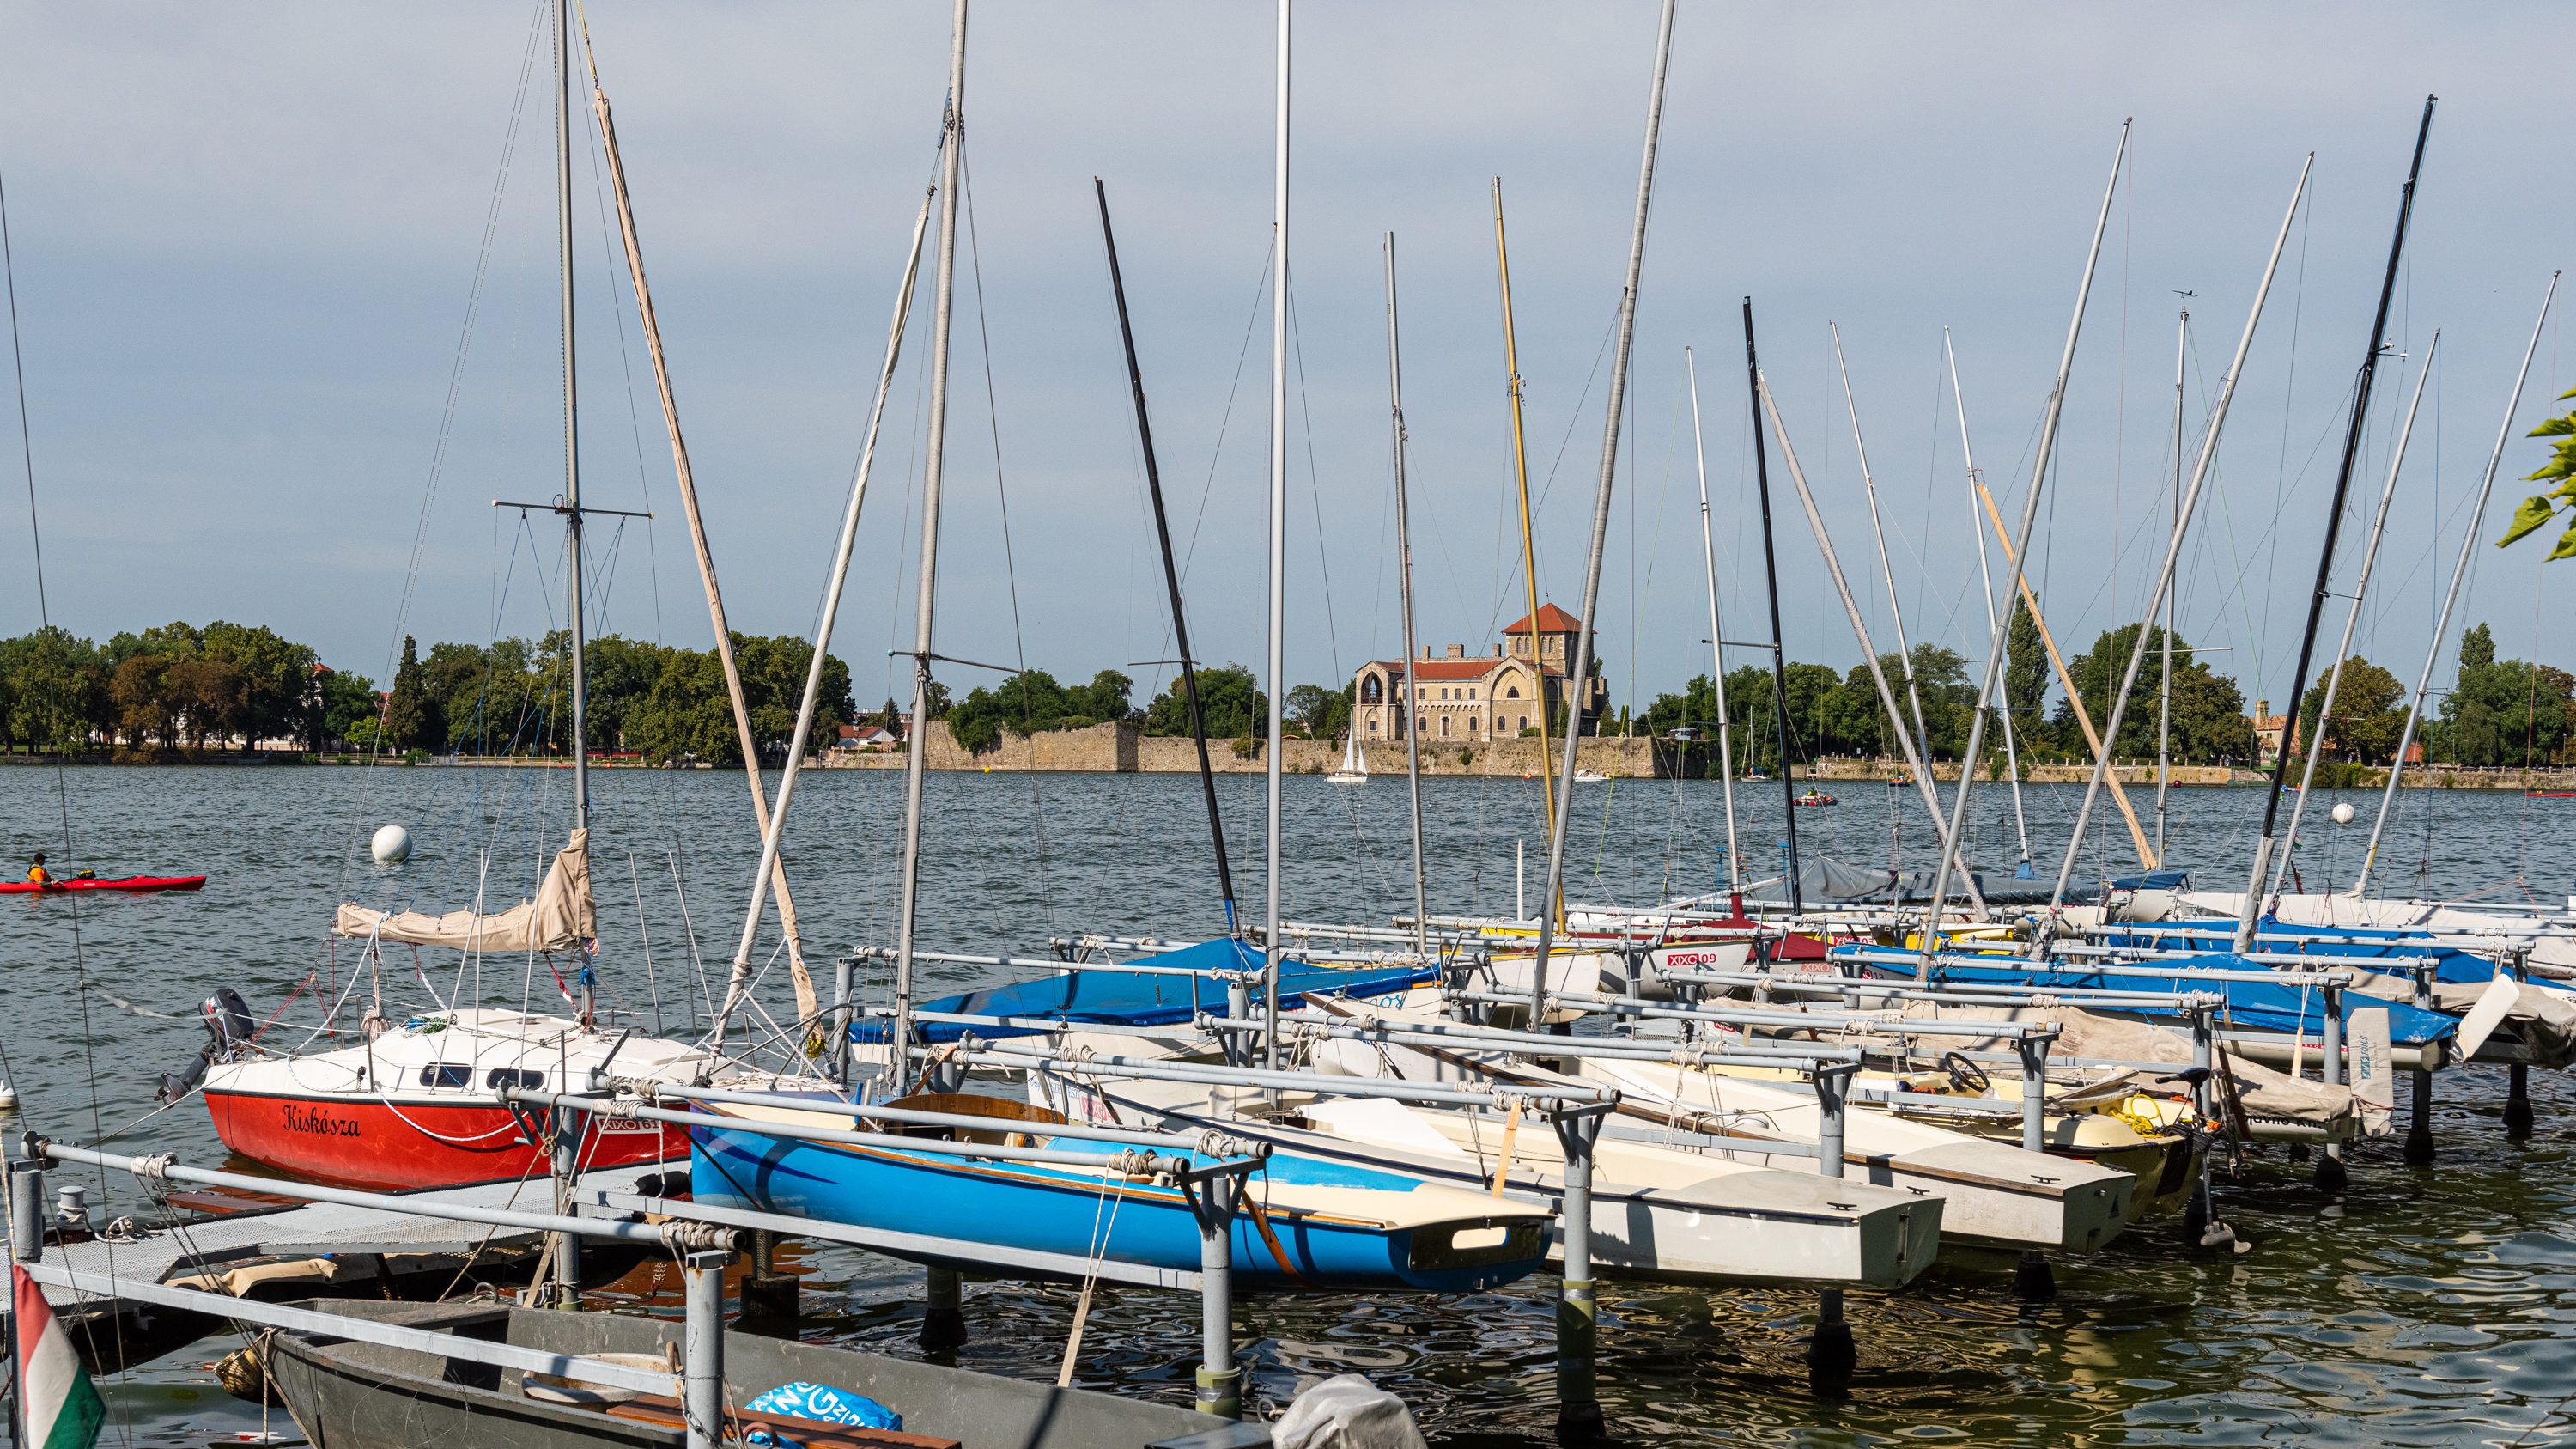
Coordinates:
<point>1529,550</point>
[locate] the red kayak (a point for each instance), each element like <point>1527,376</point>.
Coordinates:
<point>94,883</point>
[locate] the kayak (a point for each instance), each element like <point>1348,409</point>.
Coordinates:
<point>94,883</point>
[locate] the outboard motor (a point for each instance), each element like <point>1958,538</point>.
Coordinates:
<point>228,1027</point>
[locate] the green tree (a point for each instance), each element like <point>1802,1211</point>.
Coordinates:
<point>2367,715</point>
<point>347,699</point>
<point>53,692</point>
<point>2025,672</point>
<point>2097,673</point>
<point>686,713</point>
<point>2503,712</point>
<point>1231,706</point>
<point>2560,469</point>
<point>408,721</point>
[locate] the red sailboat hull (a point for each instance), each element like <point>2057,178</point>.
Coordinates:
<point>373,1143</point>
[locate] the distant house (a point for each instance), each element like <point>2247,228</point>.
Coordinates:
<point>2269,730</point>
<point>1481,697</point>
<point>868,737</point>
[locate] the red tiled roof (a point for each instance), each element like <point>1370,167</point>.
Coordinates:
<point>1551,620</point>
<point>1439,669</point>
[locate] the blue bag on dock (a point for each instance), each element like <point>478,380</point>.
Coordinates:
<point>831,1405</point>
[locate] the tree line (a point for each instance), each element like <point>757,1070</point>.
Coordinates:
<point>180,688</point>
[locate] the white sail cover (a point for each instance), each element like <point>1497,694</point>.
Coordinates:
<point>559,917</point>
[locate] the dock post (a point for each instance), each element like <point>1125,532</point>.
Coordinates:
<point>2330,1175</point>
<point>943,1319</point>
<point>2419,1129</point>
<point>2518,1119</point>
<point>2033,1051</point>
<point>1220,1378</point>
<point>702,1346</point>
<point>567,1124</point>
<point>769,1297</point>
<point>1831,1355</point>
<point>2200,1225</point>
<point>27,1209</point>
<point>1578,1401</point>
<point>840,1018</point>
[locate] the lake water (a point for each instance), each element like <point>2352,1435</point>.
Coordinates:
<point>2428,1306</point>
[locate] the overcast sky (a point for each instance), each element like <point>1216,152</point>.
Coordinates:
<point>247,243</point>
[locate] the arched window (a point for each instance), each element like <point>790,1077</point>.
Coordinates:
<point>1514,692</point>
<point>1524,724</point>
<point>1369,690</point>
<point>1444,726</point>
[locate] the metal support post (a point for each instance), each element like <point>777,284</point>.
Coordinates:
<point>2419,1129</point>
<point>943,1319</point>
<point>2200,1223</point>
<point>2034,1092</point>
<point>2518,1119</point>
<point>702,1346</point>
<point>1220,1378</point>
<point>1578,1401</point>
<point>840,1057</point>
<point>769,1297</point>
<point>2330,1176</point>
<point>566,1129</point>
<point>1831,1355</point>
<point>27,1210</point>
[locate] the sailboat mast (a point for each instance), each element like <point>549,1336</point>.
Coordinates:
<point>916,757</point>
<point>2173,545</point>
<point>1529,544</point>
<point>1404,576</point>
<point>1878,531</point>
<point>2164,686</point>
<point>2253,903</point>
<point>1915,763</point>
<point>2459,572</point>
<point>1578,675</point>
<point>1771,582</point>
<point>1716,641</point>
<point>1986,590</point>
<point>2020,555</point>
<point>2352,616</point>
<point>1277,732</point>
<point>803,978</point>
<point>572,430</point>
<point>1171,571</point>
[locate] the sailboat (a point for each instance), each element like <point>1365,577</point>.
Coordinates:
<point>414,1104</point>
<point>1354,770</point>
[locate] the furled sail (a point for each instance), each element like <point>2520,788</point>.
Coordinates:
<point>559,917</point>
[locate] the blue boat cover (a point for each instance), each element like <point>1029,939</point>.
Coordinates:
<point>2261,1005</point>
<point>2358,944</point>
<point>2154,880</point>
<point>1140,998</point>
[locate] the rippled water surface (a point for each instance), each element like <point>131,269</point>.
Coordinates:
<point>2425,1307</point>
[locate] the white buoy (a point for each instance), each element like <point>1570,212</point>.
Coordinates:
<point>2343,812</point>
<point>392,845</point>
<point>8,1098</point>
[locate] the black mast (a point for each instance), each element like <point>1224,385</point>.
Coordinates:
<point>1171,574</point>
<point>1771,580</point>
<point>2256,888</point>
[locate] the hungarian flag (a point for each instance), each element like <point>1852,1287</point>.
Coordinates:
<point>63,1407</point>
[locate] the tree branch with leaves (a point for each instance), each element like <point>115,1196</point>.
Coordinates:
<point>2560,469</point>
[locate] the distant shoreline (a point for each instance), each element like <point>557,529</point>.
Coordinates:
<point>2501,781</point>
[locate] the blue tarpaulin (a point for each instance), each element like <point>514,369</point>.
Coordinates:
<point>1139,998</point>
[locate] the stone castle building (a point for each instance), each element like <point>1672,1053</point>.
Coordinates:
<point>1459,697</point>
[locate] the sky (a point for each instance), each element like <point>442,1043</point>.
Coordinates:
<point>286,293</point>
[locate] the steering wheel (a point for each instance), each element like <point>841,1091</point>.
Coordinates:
<point>1966,1075</point>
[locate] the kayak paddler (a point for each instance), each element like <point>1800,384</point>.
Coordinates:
<point>36,872</point>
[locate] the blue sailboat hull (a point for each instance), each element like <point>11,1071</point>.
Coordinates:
<point>2258,1005</point>
<point>1061,1210</point>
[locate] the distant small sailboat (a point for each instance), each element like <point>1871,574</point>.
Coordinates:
<point>1354,770</point>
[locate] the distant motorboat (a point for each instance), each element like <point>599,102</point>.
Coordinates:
<point>1815,797</point>
<point>1588,776</point>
